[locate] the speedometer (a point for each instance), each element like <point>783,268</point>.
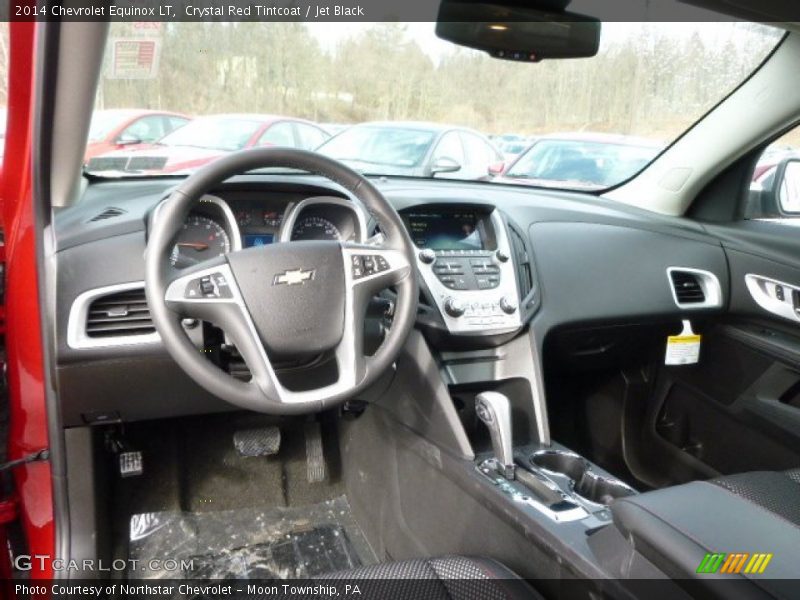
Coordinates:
<point>199,239</point>
<point>315,228</point>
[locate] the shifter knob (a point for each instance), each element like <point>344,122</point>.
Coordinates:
<point>494,410</point>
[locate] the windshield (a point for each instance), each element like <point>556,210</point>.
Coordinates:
<point>376,146</point>
<point>391,90</point>
<point>213,134</point>
<point>584,163</point>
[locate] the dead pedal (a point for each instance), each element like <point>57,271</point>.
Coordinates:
<point>317,469</point>
<point>264,441</point>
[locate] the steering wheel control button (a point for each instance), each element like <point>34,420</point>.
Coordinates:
<point>454,307</point>
<point>369,264</point>
<point>427,256</point>
<point>210,286</point>
<point>207,287</point>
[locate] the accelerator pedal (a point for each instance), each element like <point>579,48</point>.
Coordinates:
<point>317,469</point>
<point>264,441</point>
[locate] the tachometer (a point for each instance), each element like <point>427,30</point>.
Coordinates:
<point>315,228</point>
<point>200,238</point>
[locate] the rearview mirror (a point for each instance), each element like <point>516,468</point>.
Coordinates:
<point>445,165</point>
<point>513,32</point>
<point>787,185</point>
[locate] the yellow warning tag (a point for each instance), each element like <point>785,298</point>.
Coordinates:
<point>683,349</point>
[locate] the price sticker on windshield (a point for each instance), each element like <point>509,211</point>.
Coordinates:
<point>684,348</point>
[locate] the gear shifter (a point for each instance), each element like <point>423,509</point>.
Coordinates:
<point>494,410</point>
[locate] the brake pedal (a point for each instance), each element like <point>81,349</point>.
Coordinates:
<point>264,441</point>
<point>317,469</point>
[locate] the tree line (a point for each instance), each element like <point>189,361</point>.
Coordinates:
<point>652,83</point>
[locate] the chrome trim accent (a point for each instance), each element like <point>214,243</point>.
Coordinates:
<point>293,211</point>
<point>77,337</point>
<point>764,293</point>
<point>236,234</point>
<point>709,283</point>
<point>494,409</point>
<point>504,323</point>
<point>233,227</point>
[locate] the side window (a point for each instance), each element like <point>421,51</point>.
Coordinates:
<point>146,129</point>
<point>279,134</point>
<point>775,184</point>
<point>449,147</point>
<point>309,136</point>
<point>174,122</point>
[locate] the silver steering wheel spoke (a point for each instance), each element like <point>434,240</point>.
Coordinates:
<point>212,294</point>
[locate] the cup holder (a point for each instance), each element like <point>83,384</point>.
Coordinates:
<point>583,482</point>
<point>601,490</point>
<point>561,463</point>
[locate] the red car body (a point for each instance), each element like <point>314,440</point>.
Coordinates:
<point>112,138</point>
<point>167,157</point>
<point>28,434</point>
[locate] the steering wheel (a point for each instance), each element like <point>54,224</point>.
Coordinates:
<point>282,301</point>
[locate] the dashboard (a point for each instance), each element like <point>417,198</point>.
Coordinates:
<point>494,263</point>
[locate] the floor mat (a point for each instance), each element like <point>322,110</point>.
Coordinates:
<point>275,543</point>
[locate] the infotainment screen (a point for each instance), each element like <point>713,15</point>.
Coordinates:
<point>446,230</point>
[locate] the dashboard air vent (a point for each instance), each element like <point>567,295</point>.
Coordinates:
<point>119,314</point>
<point>687,288</point>
<point>522,261</point>
<point>108,213</point>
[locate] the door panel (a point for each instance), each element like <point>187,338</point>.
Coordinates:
<point>738,409</point>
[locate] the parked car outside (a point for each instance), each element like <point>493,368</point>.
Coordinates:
<point>511,149</point>
<point>416,149</point>
<point>334,128</point>
<point>117,129</point>
<point>581,160</point>
<point>207,138</point>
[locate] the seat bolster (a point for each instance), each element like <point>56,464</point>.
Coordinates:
<point>440,578</point>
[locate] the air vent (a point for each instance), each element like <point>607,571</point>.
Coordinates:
<point>522,261</point>
<point>688,289</point>
<point>109,213</point>
<point>120,314</point>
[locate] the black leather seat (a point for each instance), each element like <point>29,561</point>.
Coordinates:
<point>675,528</point>
<point>777,492</point>
<point>443,578</point>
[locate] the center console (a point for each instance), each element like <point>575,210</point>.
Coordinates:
<point>467,263</point>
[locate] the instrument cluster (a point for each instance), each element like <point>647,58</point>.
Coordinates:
<point>217,226</point>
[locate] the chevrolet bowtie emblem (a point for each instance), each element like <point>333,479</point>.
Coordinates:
<point>293,277</point>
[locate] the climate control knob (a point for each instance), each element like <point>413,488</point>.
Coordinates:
<point>507,305</point>
<point>454,307</point>
<point>501,256</point>
<point>427,256</point>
